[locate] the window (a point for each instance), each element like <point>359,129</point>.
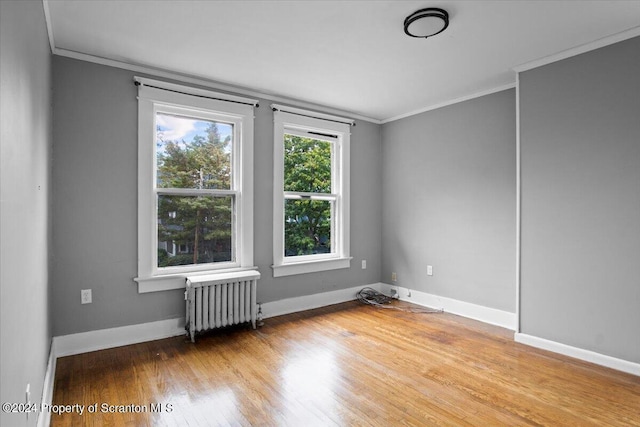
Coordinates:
<point>311,192</point>
<point>195,158</point>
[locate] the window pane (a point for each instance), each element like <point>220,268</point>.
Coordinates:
<point>307,164</point>
<point>307,227</point>
<point>194,230</point>
<point>193,153</point>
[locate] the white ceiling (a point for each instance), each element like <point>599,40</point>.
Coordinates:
<point>348,55</point>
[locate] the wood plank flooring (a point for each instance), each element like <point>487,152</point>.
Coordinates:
<point>344,365</point>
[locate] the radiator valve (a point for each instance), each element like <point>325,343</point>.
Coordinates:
<point>259,316</point>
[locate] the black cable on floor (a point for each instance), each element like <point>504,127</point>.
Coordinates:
<point>377,299</point>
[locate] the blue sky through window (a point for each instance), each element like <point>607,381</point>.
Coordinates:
<point>178,128</point>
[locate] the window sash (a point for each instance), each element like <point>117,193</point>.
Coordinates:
<point>163,110</point>
<point>200,266</point>
<point>206,115</point>
<point>293,124</point>
<point>333,252</point>
<point>302,195</point>
<point>216,117</point>
<point>291,195</point>
<point>195,192</point>
<point>152,100</point>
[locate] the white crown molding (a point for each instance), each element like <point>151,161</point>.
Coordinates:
<point>451,102</point>
<point>47,21</point>
<point>605,41</point>
<point>596,44</point>
<point>250,92</point>
<point>205,82</point>
<point>579,353</point>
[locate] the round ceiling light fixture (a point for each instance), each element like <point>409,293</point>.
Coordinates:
<point>425,23</point>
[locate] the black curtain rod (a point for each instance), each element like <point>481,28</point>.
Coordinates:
<point>137,83</point>
<point>323,134</point>
<point>314,117</point>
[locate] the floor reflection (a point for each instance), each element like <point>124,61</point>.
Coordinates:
<point>311,381</point>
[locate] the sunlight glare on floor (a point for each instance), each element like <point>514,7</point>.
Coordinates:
<point>311,381</point>
<point>213,408</point>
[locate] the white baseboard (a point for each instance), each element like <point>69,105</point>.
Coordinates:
<point>489,315</point>
<point>68,345</point>
<point>309,302</point>
<point>44,417</point>
<point>579,353</point>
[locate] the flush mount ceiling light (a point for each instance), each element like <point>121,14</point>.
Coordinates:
<point>425,23</point>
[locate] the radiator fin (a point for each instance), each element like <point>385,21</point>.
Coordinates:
<point>215,301</point>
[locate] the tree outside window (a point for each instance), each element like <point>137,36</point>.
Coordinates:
<point>307,172</point>
<point>194,154</point>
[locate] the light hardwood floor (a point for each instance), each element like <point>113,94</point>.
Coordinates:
<point>345,365</point>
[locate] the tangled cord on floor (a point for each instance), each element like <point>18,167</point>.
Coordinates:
<point>377,299</point>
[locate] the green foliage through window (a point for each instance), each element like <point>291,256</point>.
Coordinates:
<point>307,169</point>
<point>307,164</point>
<point>194,229</point>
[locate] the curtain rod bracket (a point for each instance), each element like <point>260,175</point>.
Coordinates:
<point>252,104</point>
<point>352,123</point>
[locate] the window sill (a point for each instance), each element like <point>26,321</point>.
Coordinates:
<point>169,282</point>
<point>292,268</point>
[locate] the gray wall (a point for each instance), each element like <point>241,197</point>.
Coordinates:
<point>449,200</point>
<point>580,140</point>
<point>95,202</point>
<point>25,135</point>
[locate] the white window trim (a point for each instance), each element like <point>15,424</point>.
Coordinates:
<point>297,121</point>
<point>169,97</point>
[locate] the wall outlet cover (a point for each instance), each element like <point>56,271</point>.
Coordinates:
<point>85,296</point>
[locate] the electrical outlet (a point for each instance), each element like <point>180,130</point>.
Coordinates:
<point>394,277</point>
<point>429,270</point>
<point>85,296</point>
<point>364,264</point>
